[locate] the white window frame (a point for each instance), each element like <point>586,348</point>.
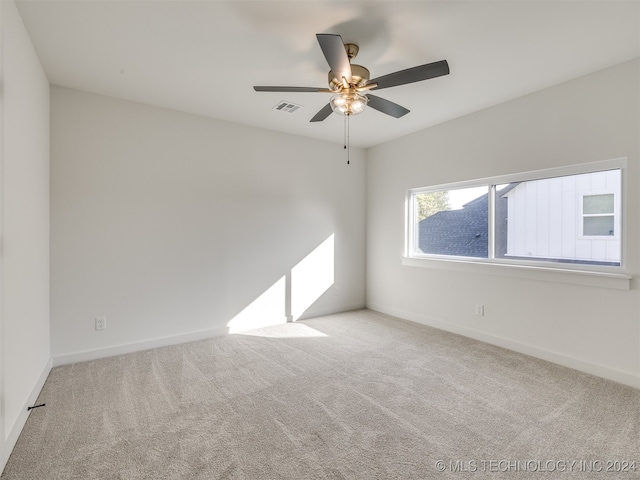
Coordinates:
<point>581,274</point>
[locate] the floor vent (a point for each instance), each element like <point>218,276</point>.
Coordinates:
<point>287,107</point>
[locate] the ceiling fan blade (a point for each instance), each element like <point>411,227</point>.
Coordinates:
<point>322,114</point>
<point>411,75</point>
<point>333,49</point>
<point>386,106</point>
<point>290,89</point>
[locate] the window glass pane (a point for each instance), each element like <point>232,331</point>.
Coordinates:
<point>541,220</point>
<point>571,219</point>
<point>599,226</point>
<point>452,222</point>
<point>593,204</point>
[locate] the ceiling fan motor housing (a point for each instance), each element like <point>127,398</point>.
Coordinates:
<point>359,78</point>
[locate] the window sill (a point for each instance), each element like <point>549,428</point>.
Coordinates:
<point>601,279</point>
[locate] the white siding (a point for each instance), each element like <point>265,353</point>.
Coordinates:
<point>543,230</point>
<point>545,218</point>
<point>555,217</point>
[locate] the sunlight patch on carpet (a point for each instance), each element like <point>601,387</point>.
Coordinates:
<point>290,330</point>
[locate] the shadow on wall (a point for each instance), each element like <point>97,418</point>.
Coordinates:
<point>292,294</point>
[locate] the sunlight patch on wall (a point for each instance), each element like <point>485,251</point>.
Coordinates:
<point>267,309</point>
<point>311,277</point>
<point>290,330</point>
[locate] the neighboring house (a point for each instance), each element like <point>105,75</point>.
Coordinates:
<point>571,219</point>
<point>575,218</point>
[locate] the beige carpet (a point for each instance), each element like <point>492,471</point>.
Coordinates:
<point>358,395</point>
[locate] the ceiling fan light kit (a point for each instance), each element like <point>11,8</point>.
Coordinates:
<point>348,103</point>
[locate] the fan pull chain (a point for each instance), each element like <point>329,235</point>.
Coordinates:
<point>346,137</point>
<point>345,132</point>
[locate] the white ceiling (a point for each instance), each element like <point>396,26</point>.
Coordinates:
<point>203,57</point>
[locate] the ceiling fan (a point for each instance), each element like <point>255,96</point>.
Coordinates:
<point>349,83</point>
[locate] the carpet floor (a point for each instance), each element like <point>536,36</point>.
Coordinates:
<point>357,395</point>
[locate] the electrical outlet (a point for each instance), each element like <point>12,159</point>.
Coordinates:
<point>101,323</point>
<point>479,310</point>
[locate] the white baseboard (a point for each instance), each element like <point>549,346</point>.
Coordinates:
<point>313,313</point>
<point>13,435</point>
<point>95,354</point>
<point>620,376</point>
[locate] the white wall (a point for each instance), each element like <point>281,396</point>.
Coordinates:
<point>589,119</point>
<point>172,225</point>
<point>24,318</point>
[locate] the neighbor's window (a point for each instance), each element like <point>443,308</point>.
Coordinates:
<point>574,218</point>
<point>598,215</point>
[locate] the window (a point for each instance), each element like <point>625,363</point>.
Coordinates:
<point>453,222</point>
<point>570,215</point>
<point>598,215</point>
